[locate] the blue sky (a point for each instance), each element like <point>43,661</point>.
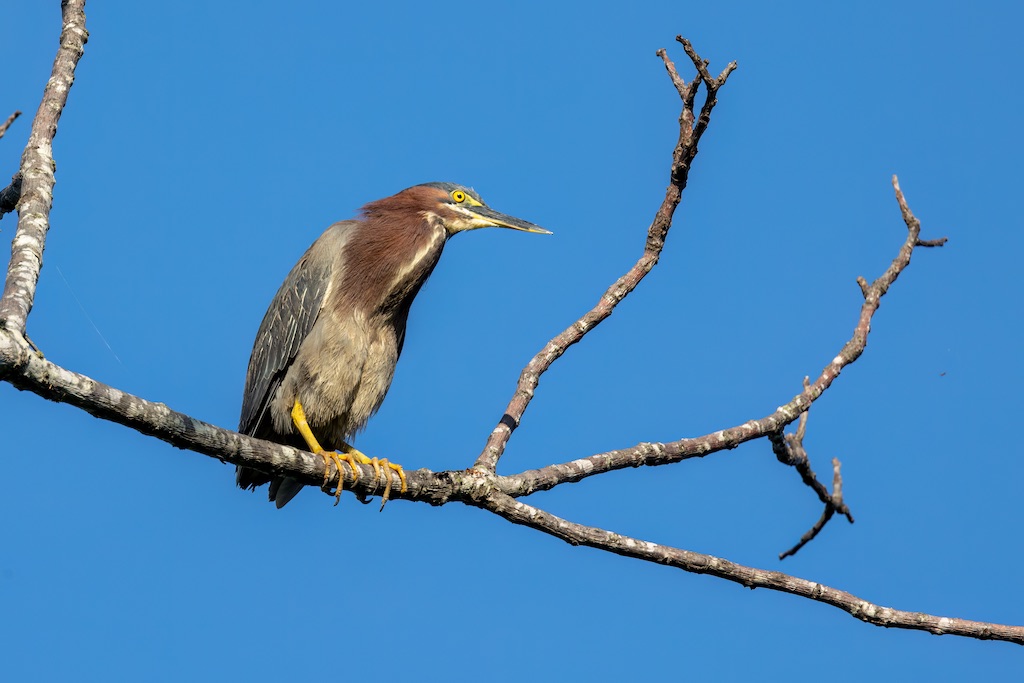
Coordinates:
<point>204,148</point>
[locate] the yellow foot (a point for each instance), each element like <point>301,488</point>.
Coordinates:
<point>348,454</point>
<point>353,457</point>
<point>337,459</point>
<point>379,465</point>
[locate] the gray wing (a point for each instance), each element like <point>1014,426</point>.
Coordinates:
<point>290,317</point>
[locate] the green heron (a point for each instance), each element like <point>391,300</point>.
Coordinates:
<point>326,350</point>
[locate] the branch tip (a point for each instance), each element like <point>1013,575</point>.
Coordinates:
<point>7,124</point>
<point>677,80</point>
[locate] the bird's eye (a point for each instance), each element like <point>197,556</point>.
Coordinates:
<point>459,196</point>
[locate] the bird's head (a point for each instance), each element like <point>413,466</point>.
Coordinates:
<point>456,207</point>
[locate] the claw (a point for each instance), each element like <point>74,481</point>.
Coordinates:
<point>390,467</point>
<point>341,477</point>
<point>326,486</point>
<point>337,459</point>
<point>387,489</point>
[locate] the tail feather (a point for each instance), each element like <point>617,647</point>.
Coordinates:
<point>283,489</point>
<point>248,478</point>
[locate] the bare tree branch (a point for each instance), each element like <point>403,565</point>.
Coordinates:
<point>769,426</point>
<point>697,563</point>
<point>682,158</point>
<point>478,486</point>
<point>27,370</point>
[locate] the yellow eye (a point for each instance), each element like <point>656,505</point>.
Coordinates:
<point>459,196</point>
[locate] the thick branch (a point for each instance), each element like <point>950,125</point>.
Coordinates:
<point>682,158</point>
<point>698,563</point>
<point>27,370</point>
<point>37,174</point>
<point>473,487</point>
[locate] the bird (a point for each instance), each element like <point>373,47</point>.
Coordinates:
<point>326,351</point>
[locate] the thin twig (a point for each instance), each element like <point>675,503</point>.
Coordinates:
<point>789,450</point>
<point>677,80</point>
<point>833,505</point>
<point>7,124</point>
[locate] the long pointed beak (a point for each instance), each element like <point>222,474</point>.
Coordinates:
<point>490,217</point>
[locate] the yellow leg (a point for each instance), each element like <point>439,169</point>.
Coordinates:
<point>299,418</point>
<point>349,455</point>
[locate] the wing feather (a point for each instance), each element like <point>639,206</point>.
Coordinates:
<point>292,313</point>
